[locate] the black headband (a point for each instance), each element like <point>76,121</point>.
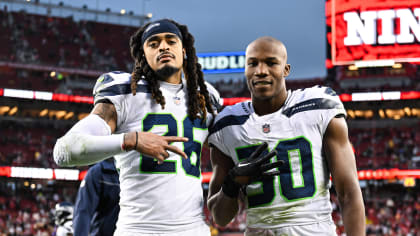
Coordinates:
<point>160,26</point>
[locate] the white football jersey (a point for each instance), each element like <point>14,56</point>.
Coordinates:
<point>300,195</point>
<point>157,198</point>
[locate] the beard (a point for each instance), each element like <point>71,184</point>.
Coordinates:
<point>166,71</point>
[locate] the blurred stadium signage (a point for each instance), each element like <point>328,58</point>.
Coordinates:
<point>222,62</point>
<point>41,173</point>
<point>74,174</point>
<point>372,31</point>
<point>344,97</point>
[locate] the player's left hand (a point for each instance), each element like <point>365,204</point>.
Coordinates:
<point>255,167</point>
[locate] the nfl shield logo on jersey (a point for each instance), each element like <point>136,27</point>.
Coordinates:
<point>177,100</point>
<point>266,128</point>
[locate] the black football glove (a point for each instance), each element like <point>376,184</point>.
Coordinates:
<point>252,169</point>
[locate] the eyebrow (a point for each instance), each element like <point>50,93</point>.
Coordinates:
<point>157,38</point>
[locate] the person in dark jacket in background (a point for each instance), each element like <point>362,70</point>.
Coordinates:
<point>97,208</point>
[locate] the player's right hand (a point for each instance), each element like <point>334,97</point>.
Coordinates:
<point>157,146</point>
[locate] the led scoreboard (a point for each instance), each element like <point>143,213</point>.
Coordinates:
<point>372,31</point>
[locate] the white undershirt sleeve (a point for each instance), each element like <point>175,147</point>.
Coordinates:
<point>87,142</point>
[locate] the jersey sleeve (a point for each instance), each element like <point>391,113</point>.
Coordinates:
<point>216,102</point>
<point>216,131</point>
<point>215,99</point>
<point>113,87</point>
<point>334,107</point>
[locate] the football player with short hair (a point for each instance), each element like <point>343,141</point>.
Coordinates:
<point>307,130</point>
<point>154,122</point>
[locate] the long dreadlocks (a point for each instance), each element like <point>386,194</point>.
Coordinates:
<point>198,99</point>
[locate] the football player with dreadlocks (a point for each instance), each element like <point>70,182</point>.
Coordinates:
<point>155,122</point>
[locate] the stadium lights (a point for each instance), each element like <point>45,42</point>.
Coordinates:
<point>351,114</point>
<point>360,113</point>
<point>4,109</point>
<point>378,63</point>
<point>13,111</point>
<point>149,15</point>
<point>397,66</point>
<point>381,113</point>
<point>60,114</point>
<point>409,182</point>
<point>69,115</point>
<point>43,113</point>
<point>352,67</point>
<point>122,11</point>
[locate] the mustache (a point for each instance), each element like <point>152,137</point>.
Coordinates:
<point>165,54</point>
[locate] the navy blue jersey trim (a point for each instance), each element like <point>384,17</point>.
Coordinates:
<point>120,89</point>
<point>228,121</point>
<point>312,104</point>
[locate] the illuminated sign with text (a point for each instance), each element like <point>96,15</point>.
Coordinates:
<point>372,30</point>
<point>222,62</point>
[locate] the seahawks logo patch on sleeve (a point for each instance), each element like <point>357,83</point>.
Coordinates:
<point>102,82</point>
<point>330,91</point>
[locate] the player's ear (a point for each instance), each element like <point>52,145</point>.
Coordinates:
<point>286,70</point>
<point>184,53</point>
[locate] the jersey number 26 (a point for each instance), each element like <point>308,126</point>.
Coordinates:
<point>192,148</point>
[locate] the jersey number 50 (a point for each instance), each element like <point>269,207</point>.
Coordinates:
<point>191,165</point>
<point>297,179</point>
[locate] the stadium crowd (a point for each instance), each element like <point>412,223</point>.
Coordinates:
<point>375,148</point>
<point>391,210</point>
<point>63,42</point>
<point>27,211</point>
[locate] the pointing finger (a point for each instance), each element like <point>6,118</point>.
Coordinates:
<point>171,139</point>
<point>177,151</point>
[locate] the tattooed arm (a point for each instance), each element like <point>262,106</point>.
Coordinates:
<point>107,112</point>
